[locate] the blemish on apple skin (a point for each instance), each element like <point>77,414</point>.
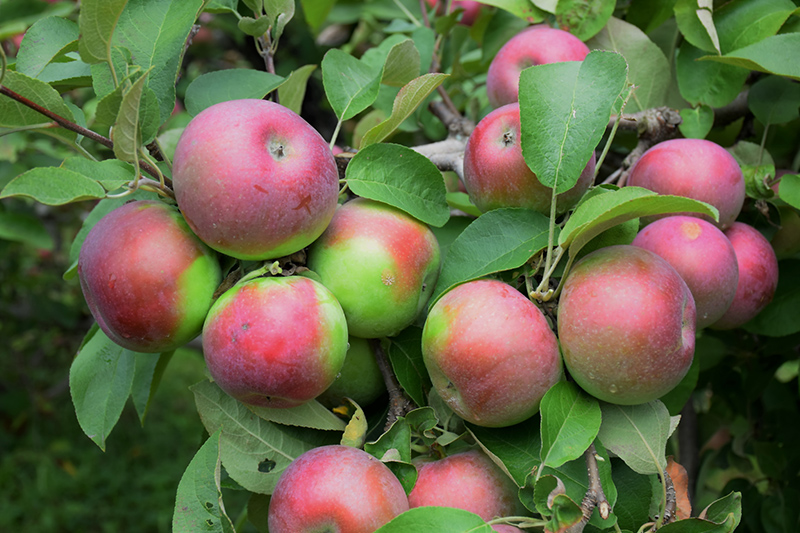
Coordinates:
<point>388,279</point>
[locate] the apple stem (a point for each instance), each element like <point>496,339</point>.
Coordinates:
<point>399,403</point>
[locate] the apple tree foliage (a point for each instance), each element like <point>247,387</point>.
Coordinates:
<point>104,72</point>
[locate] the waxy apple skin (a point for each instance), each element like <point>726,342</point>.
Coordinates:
<point>148,280</point>
<point>380,263</point>
<point>254,180</point>
<point>360,378</point>
<point>466,480</point>
<point>694,168</point>
<point>758,275</point>
<point>495,173</point>
<point>536,45</point>
<point>275,342</point>
<point>626,322</point>
<point>702,255</point>
<point>490,353</point>
<point>335,489</point>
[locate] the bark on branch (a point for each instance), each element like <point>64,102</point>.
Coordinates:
<point>399,403</point>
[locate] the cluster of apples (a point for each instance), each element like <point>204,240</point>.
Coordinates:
<point>255,182</point>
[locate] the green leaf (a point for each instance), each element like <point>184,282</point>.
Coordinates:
<point>355,433</point>
<point>401,64</point>
<point>695,20</point>
<point>254,27</point>
<point>516,448</point>
<point>676,399</point>
<point>564,111</point>
<point>707,82</point>
<point>53,186</point>
<point>743,22</point>
<point>405,354</point>
<point>648,68</point>
<point>25,228</point>
<point>696,121</point>
<point>111,173</point>
<point>637,434</point>
<point>723,509</point>
<point>757,168</point>
<point>789,190</point>
<point>221,6</point>
<point>310,415</point>
<point>147,375</point>
<point>634,493</point>
<point>279,12</point>
<point>570,422</point>
<point>649,15</point>
<point>231,84</point>
<point>779,317</point>
<point>524,9</point>
<point>774,55</point>
<point>127,133</point>
<point>461,201</point>
<point>198,503</point>
<point>47,39</point>
<point>256,6</point>
<point>405,103</point>
<point>14,114</point>
<point>774,100</point>
<point>399,176</point>
<point>98,20</point>
<point>395,442</point>
<point>439,519</point>
<point>292,91</point>
<point>316,12</point>
<point>100,381</point>
<point>350,85</point>
<point>584,19</point>
<point>502,239</point>
<point>604,211</point>
<point>253,451</point>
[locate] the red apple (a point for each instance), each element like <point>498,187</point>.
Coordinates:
<point>471,9</point>
<point>495,173</point>
<point>254,180</point>
<point>490,353</point>
<point>360,378</point>
<point>335,488</point>
<point>381,264</point>
<point>626,322</point>
<point>536,45</point>
<point>148,280</point>
<point>758,275</point>
<point>702,255</point>
<point>275,341</point>
<point>467,480</point>
<point>694,168</point>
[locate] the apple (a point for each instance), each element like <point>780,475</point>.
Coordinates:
<point>495,173</point>
<point>380,263</point>
<point>466,480</point>
<point>148,280</point>
<point>335,488</point>
<point>254,180</point>
<point>360,378</point>
<point>758,275</point>
<point>626,322</point>
<point>275,341</point>
<point>694,168</point>
<point>490,353</point>
<point>702,255</point>
<point>536,45</point>
<point>471,9</point>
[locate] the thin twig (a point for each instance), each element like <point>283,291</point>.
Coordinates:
<point>594,497</point>
<point>399,403</point>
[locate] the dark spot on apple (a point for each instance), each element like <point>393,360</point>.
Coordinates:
<point>245,326</point>
<point>508,138</point>
<point>259,188</point>
<point>266,466</point>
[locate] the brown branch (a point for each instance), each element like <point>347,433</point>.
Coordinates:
<point>594,497</point>
<point>71,126</point>
<point>733,111</point>
<point>399,403</point>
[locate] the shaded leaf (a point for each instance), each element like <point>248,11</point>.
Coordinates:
<point>564,111</point>
<point>439,519</point>
<point>127,133</point>
<point>775,55</point>
<point>100,381</point>
<point>399,176</point>
<point>231,84</point>
<point>779,317</point>
<point>292,91</point>
<point>696,122</point>
<point>524,9</point>
<point>695,20</point>
<point>637,434</point>
<point>98,20</point>
<point>148,370</point>
<point>774,100</point>
<point>53,186</point>
<point>570,422</point>
<point>310,415</point>
<point>111,173</point>
<point>13,114</point>
<point>47,39</point>
<point>584,18</point>
<point>742,22</point>
<point>516,449</point>
<point>405,355</point>
<point>501,239</point>
<point>707,82</point>
<point>26,228</point>
<point>198,503</point>
<point>316,11</point>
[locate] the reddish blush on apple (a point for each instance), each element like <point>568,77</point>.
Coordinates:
<point>495,173</point>
<point>758,275</point>
<point>466,480</point>
<point>471,9</point>
<point>148,280</point>
<point>626,322</point>
<point>254,180</point>
<point>536,45</point>
<point>275,341</point>
<point>694,168</point>
<point>490,353</point>
<point>380,263</point>
<point>335,488</point>
<point>702,255</point>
